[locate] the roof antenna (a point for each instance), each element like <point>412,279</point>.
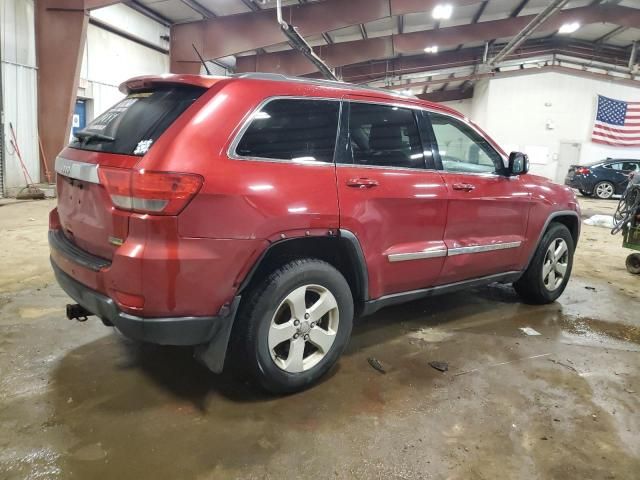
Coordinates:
<point>204,64</point>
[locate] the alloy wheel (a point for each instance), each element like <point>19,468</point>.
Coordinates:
<point>556,262</point>
<point>604,190</point>
<point>303,328</point>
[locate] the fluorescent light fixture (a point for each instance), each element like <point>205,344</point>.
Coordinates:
<point>261,116</point>
<point>431,49</point>
<point>442,11</point>
<point>569,27</point>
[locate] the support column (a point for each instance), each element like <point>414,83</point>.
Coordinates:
<point>61,27</point>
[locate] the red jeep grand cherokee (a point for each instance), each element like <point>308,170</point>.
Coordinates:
<point>253,216</point>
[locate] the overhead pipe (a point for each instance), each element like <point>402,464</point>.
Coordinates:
<point>299,43</point>
<point>553,8</point>
<point>632,57</point>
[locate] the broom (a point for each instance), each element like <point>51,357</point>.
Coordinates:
<point>30,192</point>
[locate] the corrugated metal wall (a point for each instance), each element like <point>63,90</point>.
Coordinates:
<point>19,88</point>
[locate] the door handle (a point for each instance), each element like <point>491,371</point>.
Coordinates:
<point>362,183</point>
<point>467,187</point>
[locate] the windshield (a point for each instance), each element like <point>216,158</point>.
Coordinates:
<point>132,125</point>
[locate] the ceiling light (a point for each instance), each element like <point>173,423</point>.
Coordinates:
<point>442,12</point>
<point>569,27</point>
<point>432,49</point>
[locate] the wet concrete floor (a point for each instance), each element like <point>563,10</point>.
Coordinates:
<point>79,401</point>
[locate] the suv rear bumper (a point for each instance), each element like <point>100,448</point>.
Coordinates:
<point>162,331</point>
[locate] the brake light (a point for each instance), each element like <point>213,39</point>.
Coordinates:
<point>583,171</point>
<point>156,193</point>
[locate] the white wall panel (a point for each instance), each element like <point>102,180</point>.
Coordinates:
<point>19,89</point>
<point>109,60</point>
<point>127,19</point>
<point>462,106</point>
<point>540,111</point>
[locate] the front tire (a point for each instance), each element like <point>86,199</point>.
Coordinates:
<point>293,326</point>
<point>548,273</point>
<point>604,190</point>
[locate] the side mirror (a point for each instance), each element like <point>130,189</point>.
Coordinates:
<point>518,163</point>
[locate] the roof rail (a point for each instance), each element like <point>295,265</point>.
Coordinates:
<point>279,77</point>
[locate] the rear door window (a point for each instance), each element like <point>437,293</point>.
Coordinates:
<point>614,166</point>
<point>292,129</point>
<point>384,136</point>
<point>132,125</point>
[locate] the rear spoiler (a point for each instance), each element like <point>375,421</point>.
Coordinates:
<point>148,81</point>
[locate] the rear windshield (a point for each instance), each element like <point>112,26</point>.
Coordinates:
<point>132,125</point>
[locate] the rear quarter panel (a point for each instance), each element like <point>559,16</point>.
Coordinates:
<point>245,199</point>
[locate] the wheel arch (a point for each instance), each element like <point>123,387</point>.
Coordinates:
<point>342,251</point>
<point>568,218</point>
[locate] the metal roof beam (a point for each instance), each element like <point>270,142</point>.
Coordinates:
<point>378,48</point>
<point>229,35</point>
<point>148,12</point>
<point>516,11</point>
<point>608,36</point>
<point>200,9</point>
<point>552,9</point>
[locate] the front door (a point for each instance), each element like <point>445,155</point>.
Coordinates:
<point>391,197</point>
<point>487,211</point>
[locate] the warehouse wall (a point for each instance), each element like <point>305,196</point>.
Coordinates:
<point>19,87</point>
<point>543,114</point>
<point>109,59</point>
<point>462,106</point>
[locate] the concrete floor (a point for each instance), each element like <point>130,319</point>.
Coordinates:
<point>78,401</point>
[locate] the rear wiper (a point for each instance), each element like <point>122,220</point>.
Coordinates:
<point>86,136</point>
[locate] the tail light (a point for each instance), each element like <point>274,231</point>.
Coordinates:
<point>156,193</point>
<point>583,171</point>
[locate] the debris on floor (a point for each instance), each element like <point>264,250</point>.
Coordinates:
<point>605,221</point>
<point>440,366</point>
<point>590,288</point>
<point>501,363</point>
<point>558,362</point>
<point>529,331</point>
<point>376,364</point>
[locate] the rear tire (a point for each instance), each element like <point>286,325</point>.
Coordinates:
<point>550,269</point>
<point>604,190</point>
<point>293,326</point>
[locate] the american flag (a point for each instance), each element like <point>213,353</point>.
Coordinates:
<point>617,123</point>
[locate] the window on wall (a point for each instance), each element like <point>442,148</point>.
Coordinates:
<point>290,129</point>
<point>384,135</point>
<point>461,149</point>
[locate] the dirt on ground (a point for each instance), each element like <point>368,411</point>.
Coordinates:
<point>600,255</point>
<point>79,401</point>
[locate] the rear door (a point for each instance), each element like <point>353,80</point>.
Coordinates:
<point>487,211</point>
<point>117,138</point>
<point>391,197</point>
<point>618,174</point>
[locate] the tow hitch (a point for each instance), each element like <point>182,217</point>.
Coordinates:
<point>77,312</point>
